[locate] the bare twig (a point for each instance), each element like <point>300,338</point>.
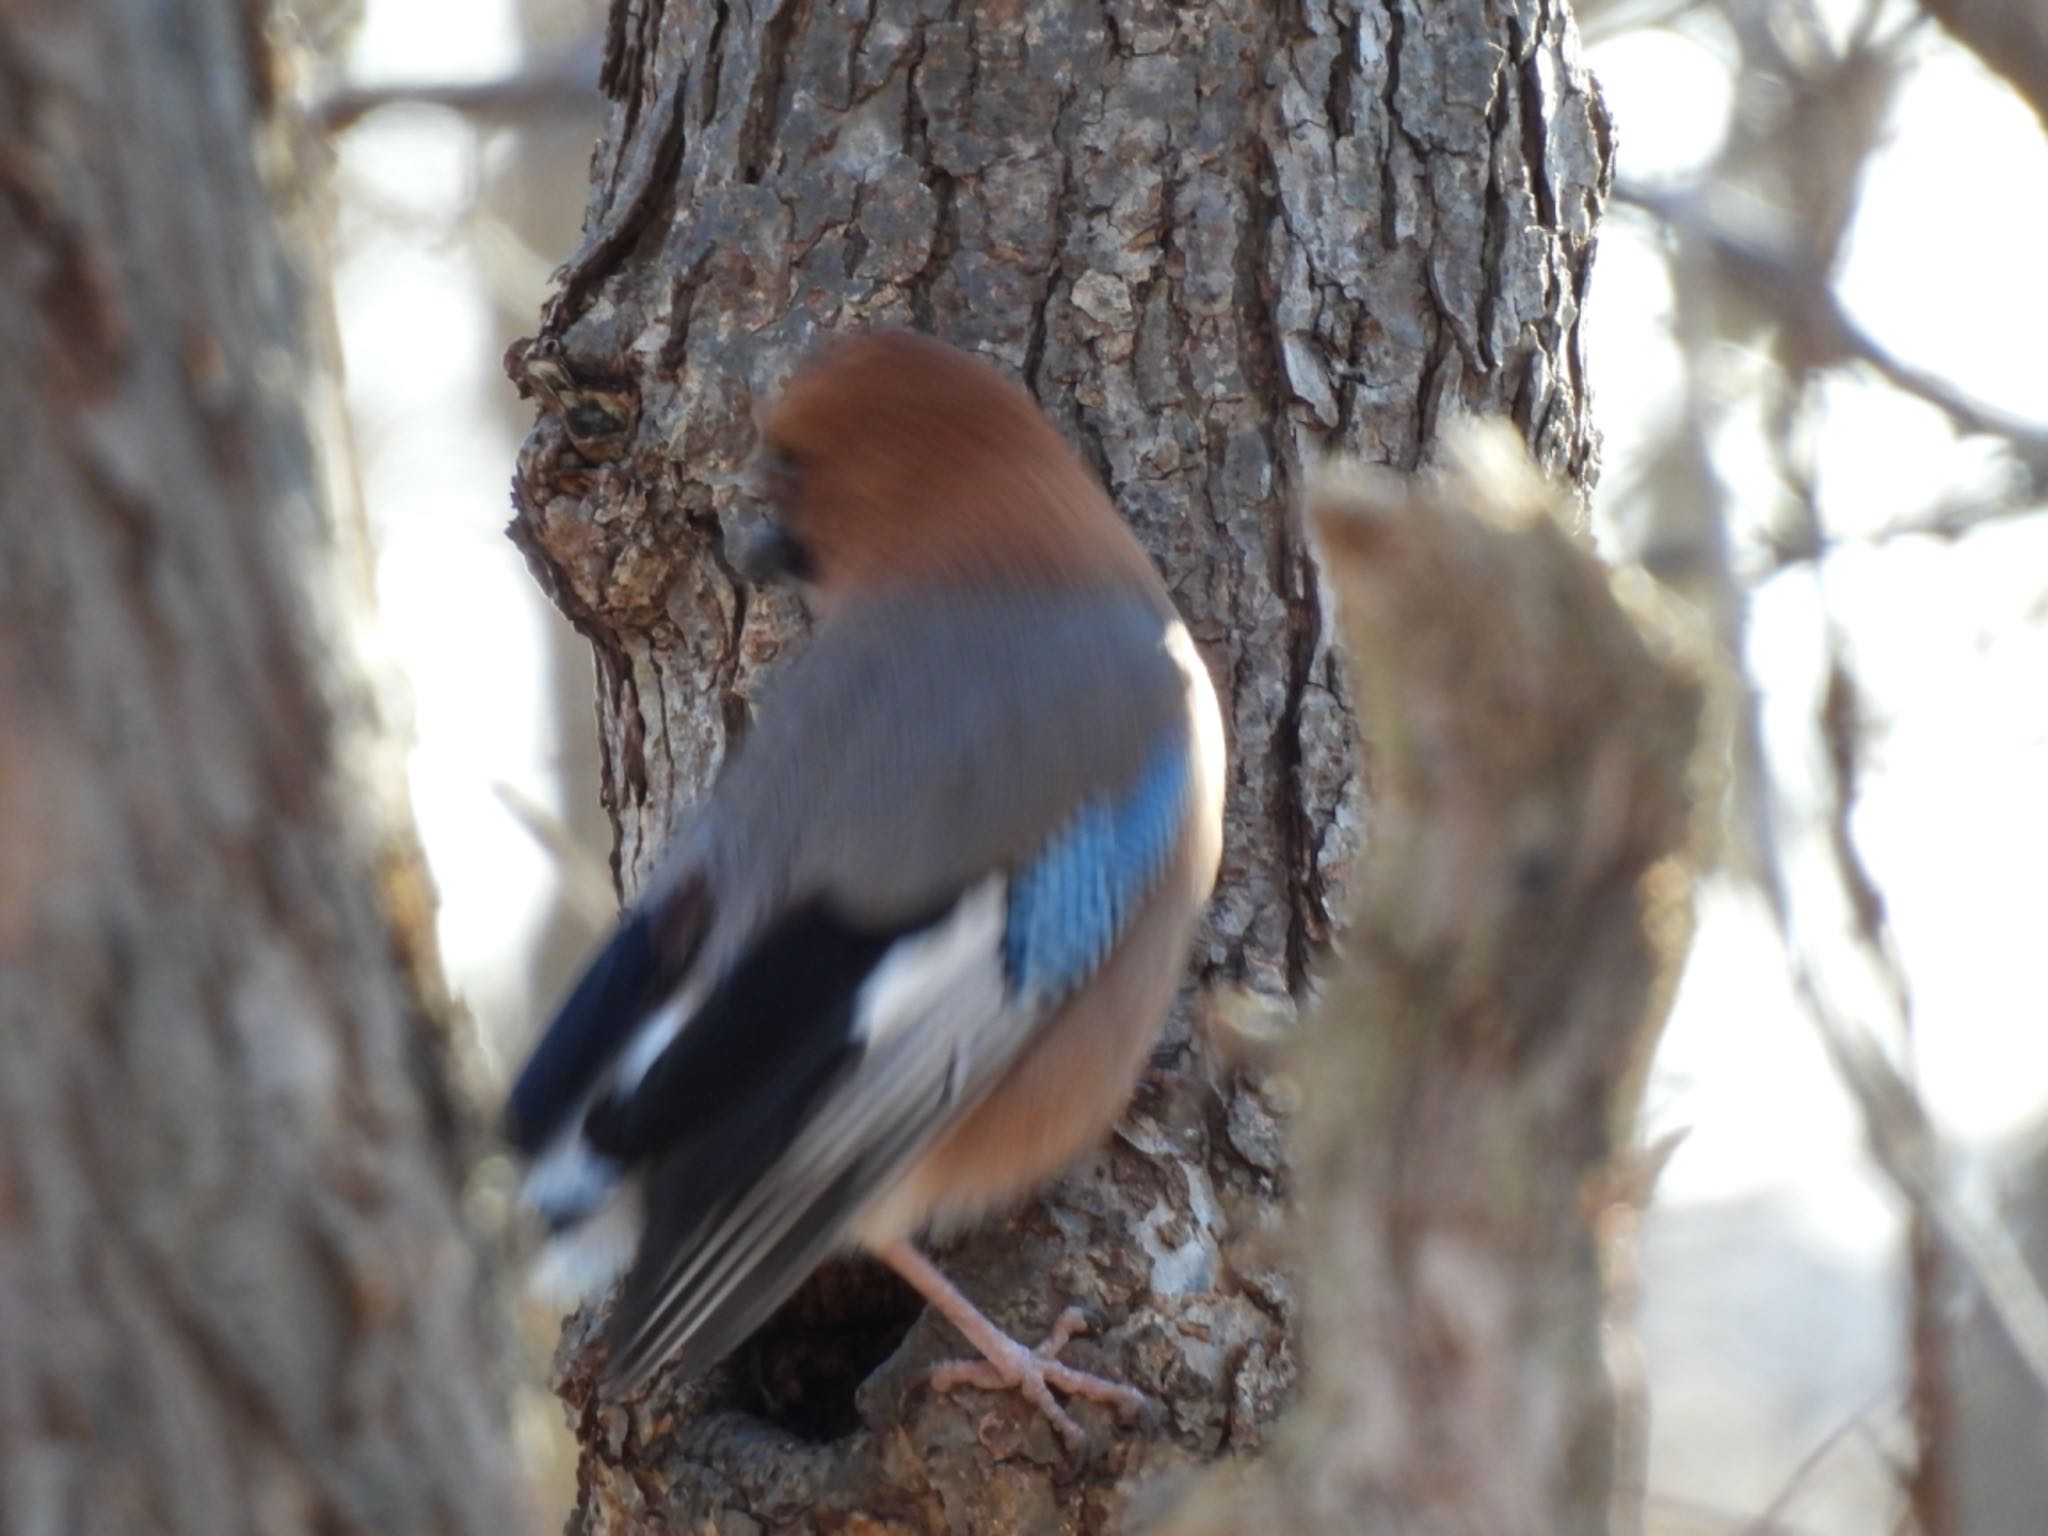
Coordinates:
<point>586,882</point>
<point>1804,302</point>
<point>2010,38</point>
<point>567,82</point>
<point>1770,1517</point>
<point>1897,1128</point>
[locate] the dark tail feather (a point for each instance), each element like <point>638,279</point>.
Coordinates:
<point>651,1323</point>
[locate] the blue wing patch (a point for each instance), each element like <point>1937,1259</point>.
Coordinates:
<point>1070,905</point>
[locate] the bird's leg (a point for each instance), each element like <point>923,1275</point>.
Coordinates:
<point>1005,1363</point>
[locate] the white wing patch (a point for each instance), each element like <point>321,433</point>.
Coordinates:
<point>656,1035</point>
<point>571,1179</point>
<point>581,1264</point>
<point>957,964</point>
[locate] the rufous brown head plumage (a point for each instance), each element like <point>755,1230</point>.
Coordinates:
<point>894,461</point>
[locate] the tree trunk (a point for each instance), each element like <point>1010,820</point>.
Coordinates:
<point>236,1293</point>
<point>1214,241</point>
<point>2000,1419</point>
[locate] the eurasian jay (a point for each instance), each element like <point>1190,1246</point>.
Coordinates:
<point>907,958</point>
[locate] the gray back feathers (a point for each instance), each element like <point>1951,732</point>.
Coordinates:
<point>923,742</point>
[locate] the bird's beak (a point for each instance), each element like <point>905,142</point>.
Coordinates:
<point>762,551</point>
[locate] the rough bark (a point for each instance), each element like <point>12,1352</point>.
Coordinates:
<point>1213,240</point>
<point>235,1290</point>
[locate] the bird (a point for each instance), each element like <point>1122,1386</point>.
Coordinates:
<point>907,958</point>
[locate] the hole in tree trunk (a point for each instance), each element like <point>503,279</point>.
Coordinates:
<point>801,1370</point>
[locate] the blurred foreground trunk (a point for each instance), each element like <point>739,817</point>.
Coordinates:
<point>235,1290</point>
<point>1470,1078</point>
<point>1213,240</point>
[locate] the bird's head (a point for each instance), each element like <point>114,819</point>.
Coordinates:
<point>895,462</point>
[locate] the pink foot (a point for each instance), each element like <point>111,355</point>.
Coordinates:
<point>1036,1373</point>
<point>1007,1365</point>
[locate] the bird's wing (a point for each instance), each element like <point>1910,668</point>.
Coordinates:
<point>915,747</point>
<point>855,1024</point>
<point>748,1200</point>
<point>643,963</point>
<point>745,1201</point>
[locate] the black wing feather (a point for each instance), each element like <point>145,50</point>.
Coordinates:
<point>633,972</point>
<point>728,1097</point>
<point>768,1031</point>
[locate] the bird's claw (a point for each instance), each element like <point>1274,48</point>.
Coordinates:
<point>1037,1373</point>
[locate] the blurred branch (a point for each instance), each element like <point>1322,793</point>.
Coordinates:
<point>1693,1515</point>
<point>1902,1134</point>
<point>1724,276</point>
<point>1905,1145</point>
<point>1755,243</point>
<point>1898,1131</point>
<point>1770,1518</point>
<point>1930,1482</point>
<point>2029,441</point>
<point>1955,516</point>
<point>1897,1128</point>
<point>566,82</point>
<point>1600,20</point>
<point>586,880</point>
<point>1467,1143</point>
<point>2009,37</point>
<point>1821,332</point>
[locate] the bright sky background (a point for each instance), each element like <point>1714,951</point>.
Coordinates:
<point>1945,269</point>
<point>422,345</point>
<point>1771,1261</point>
<point>1952,641</point>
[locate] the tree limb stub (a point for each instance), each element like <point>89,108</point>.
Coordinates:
<point>1470,1080</point>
